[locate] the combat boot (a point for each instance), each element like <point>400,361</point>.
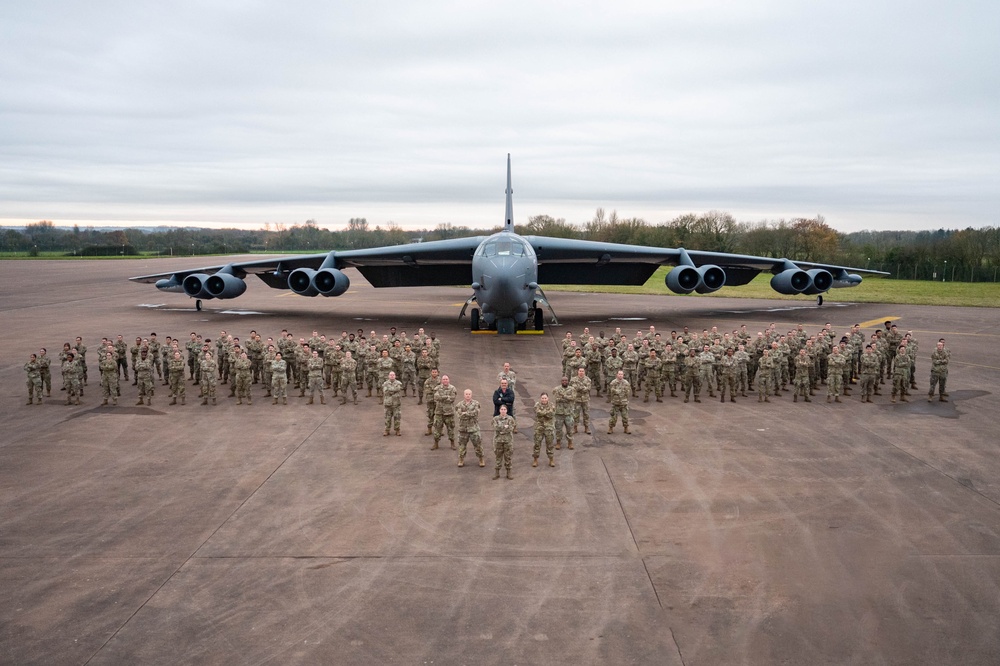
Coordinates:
<point>765,399</point>
<point>646,399</point>
<point>322,399</point>
<point>240,401</point>
<point>836,399</point>
<point>102,404</point>
<point>559,442</point>
<point>610,429</point>
<point>183,400</point>
<point>685,399</point>
<point>732,399</point>
<point>807,399</point>
<point>355,400</point>
<point>140,402</point>
<point>659,399</point>
<point>722,399</point>
<point>697,399</point>
<point>249,401</point>
<point>534,462</point>
<point>760,398</point>
<point>369,393</point>
<point>173,401</point>
<point>428,431</point>
<point>552,461</point>
<point>482,463</point>
<point>284,400</point>
<point>385,433</point>
<point>509,476</point>
<point>435,447</point>
<point>453,447</point>
<point>586,430</point>
<point>213,400</point>
<point>149,401</point>
<point>204,401</point>
<point>496,475</point>
<point>942,398</point>
<point>397,433</point>
<point>343,400</point>
<point>902,398</point>
<point>570,445</point>
<point>829,398</point>
<point>461,462</point>
<point>795,398</point>
<point>312,400</point>
<point>627,431</point>
<point>893,398</point>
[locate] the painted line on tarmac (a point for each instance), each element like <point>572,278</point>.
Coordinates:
<point>872,323</point>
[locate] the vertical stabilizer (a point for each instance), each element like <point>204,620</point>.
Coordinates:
<point>508,224</point>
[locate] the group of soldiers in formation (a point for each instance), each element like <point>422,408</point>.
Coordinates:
<point>392,364</point>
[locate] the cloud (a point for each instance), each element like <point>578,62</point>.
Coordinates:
<point>215,111</point>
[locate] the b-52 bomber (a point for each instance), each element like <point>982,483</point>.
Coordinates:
<point>506,270</point>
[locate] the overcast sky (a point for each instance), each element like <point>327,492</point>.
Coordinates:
<point>877,115</point>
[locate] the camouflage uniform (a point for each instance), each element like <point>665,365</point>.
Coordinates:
<point>243,371</point>
<point>803,366</point>
<point>315,378</point>
<point>176,376</point>
<point>391,403</point>
<point>653,365</point>
<point>692,377</point>
<point>347,369</point>
<point>544,429</point>
<point>279,380</point>
<point>939,373</point>
<point>468,429</point>
<point>143,369</point>
<point>503,443</point>
<point>565,400</point>
<point>620,391</point>
<point>444,412</point>
<point>900,375</point>
<point>34,371</point>
<point>835,364</point>
<point>581,385</point>
<point>71,377</point>
<point>109,379</point>
<point>727,377</point>
<point>870,364</point>
<point>209,379</point>
<point>765,377</point>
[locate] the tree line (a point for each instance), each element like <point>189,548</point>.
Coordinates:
<point>966,255</point>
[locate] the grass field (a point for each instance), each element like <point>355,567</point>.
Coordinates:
<point>872,290</point>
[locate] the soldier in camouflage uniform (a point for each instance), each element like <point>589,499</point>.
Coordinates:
<point>503,441</point>
<point>653,366</point>
<point>71,378</point>
<point>372,358</point>
<point>728,369</point>
<point>209,378</point>
<point>444,411</point>
<point>392,403</point>
<point>803,366</point>
<point>175,374</point>
<point>612,364</point>
<point>108,367</point>
<point>425,363</point>
<point>620,391</point>
<point>765,376</point>
<point>242,369</point>
<point>467,412</point>
<point>939,372</point>
<point>581,384</point>
<point>870,364</point>
<point>692,375</point>
<point>143,369</point>
<point>545,413</point>
<point>279,379</point>
<point>408,362</point>
<point>630,364</point>
<point>900,373</point>
<point>347,369</point>
<point>45,370</point>
<point>565,399</point>
<point>429,387</point>
<point>314,378</point>
<point>35,379</point>
<point>835,364</point>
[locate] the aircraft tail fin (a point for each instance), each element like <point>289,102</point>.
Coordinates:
<point>508,224</point>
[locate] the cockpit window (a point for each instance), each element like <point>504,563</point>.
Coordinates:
<point>503,247</point>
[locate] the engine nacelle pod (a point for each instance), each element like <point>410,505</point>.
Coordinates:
<point>712,277</point>
<point>195,287</point>
<point>791,282</point>
<point>683,279</point>
<point>224,285</point>
<point>301,282</point>
<point>330,282</point>
<point>820,281</point>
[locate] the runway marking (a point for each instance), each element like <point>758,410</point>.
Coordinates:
<point>790,308</point>
<point>872,323</point>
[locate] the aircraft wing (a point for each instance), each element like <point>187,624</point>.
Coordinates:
<point>435,263</point>
<point>571,261</point>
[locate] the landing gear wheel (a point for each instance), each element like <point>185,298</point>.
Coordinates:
<point>197,304</point>
<point>819,300</point>
<point>539,319</point>
<point>474,319</point>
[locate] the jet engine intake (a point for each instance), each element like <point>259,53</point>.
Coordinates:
<point>224,285</point>
<point>820,281</point>
<point>195,286</point>
<point>713,278</point>
<point>330,282</point>
<point>791,282</point>
<point>301,282</point>
<point>683,279</point>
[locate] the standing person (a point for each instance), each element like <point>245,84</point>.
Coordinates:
<point>692,375</point>
<point>243,371</point>
<point>71,378</point>
<point>176,377</point>
<point>565,398</point>
<point>467,412</point>
<point>424,366</point>
<point>803,366</point>
<point>653,365</point>
<point>34,371</point>
<point>900,373</point>
<point>347,383</point>
<point>45,369</point>
<point>503,440</point>
<point>143,369</point>
<point>765,376</point>
<point>408,362</point>
<point>939,372</point>
<point>728,373</point>
<point>121,350</point>
<point>108,367</point>
<point>391,389</point>
<point>314,368</point>
<point>509,375</point>
<point>81,351</point>
<point>835,364</point>
<point>279,379</point>
<point>504,396</point>
<point>209,378</point>
<point>429,387</point>
<point>870,364</point>
<point>620,390</point>
<point>545,416</point>
<point>444,411</point>
<point>581,385</point>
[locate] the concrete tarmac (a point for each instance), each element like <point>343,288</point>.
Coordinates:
<point>746,533</point>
